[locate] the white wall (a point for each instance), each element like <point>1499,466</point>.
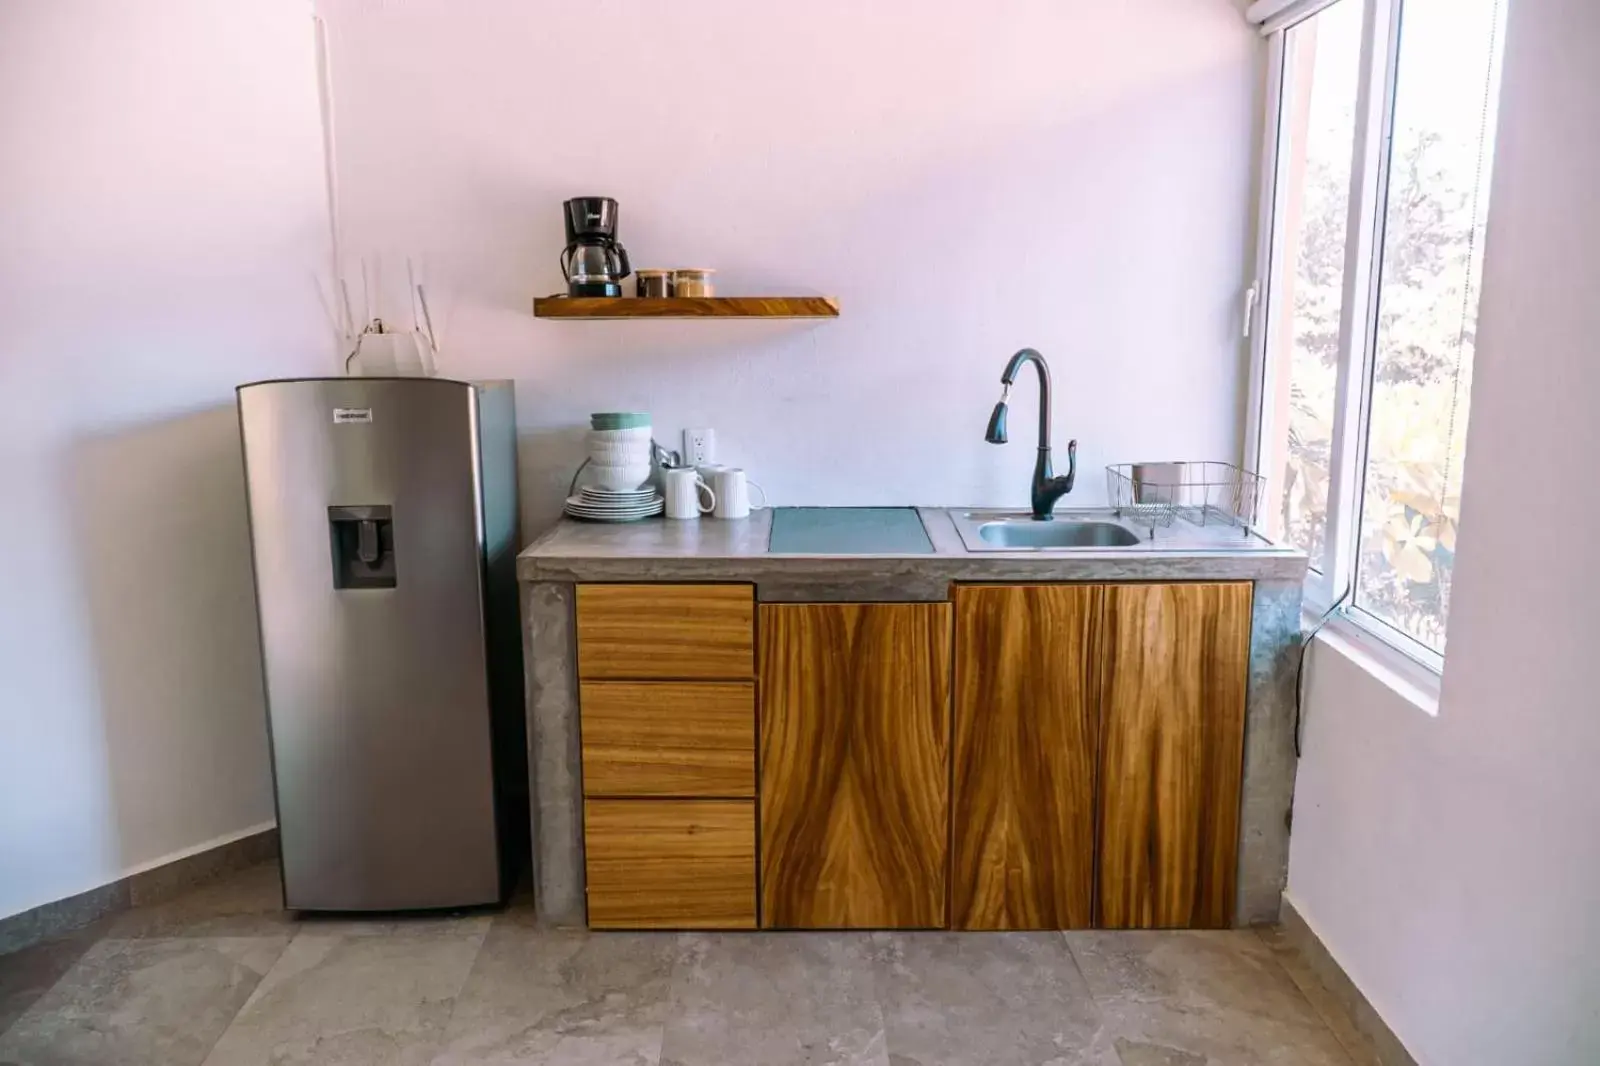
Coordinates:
<point>161,209</point>
<point>1452,864</point>
<point>969,178</point>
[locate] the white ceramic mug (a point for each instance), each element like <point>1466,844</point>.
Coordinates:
<point>683,488</point>
<point>733,493</point>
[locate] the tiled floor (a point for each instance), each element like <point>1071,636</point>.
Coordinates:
<point>222,977</point>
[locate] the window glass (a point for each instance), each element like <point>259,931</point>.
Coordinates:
<point>1316,142</point>
<point>1447,88</point>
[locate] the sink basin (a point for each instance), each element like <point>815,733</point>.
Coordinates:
<point>1058,534</point>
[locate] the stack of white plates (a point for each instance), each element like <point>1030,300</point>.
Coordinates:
<point>607,505</point>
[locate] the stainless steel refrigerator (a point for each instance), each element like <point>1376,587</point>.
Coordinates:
<point>383,532</point>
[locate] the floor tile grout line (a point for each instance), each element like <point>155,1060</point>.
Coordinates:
<point>441,1047</point>
<point>77,958</point>
<point>33,1004</point>
<point>1355,1057</point>
<point>1101,1006</point>
<point>302,931</point>
<point>203,1059</point>
<point>871,965</point>
<point>681,942</point>
<point>1260,933</point>
<point>1072,952</point>
<point>455,997</point>
<point>234,1020</point>
<point>1363,1054</point>
<point>295,935</point>
<point>1353,1054</point>
<point>112,943</point>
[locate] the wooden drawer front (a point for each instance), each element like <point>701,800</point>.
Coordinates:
<point>638,632</point>
<point>671,864</point>
<point>661,738</point>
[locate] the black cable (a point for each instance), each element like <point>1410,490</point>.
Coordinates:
<point>1300,668</point>
<point>375,326</point>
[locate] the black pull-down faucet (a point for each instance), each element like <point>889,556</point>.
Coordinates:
<point>1047,488</point>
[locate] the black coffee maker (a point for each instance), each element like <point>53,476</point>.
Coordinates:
<point>593,263</point>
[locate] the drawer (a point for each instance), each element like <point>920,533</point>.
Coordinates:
<point>669,738</point>
<point>677,632</point>
<point>670,864</point>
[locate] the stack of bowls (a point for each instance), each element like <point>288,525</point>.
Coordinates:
<point>619,450</point>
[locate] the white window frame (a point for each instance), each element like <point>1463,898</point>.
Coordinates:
<point>1331,581</point>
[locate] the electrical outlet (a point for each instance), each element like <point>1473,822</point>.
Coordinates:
<point>699,446</point>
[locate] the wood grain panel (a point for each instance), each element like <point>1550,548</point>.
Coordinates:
<point>670,864</point>
<point>637,632</point>
<point>1174,662</point>
<point>1026,743</point>
<point>669,738</point>
<point>611,307</point>
<point>855,731</point>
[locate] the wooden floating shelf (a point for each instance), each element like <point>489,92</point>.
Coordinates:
<point>614,307</point>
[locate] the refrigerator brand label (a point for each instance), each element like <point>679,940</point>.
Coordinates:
<point>346,415</point>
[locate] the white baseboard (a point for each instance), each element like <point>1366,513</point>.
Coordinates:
<point>143,883</point>
<point>184,853</point>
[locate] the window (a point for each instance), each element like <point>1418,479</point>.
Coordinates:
<point>1316,149</point>
<point>1385,126</point>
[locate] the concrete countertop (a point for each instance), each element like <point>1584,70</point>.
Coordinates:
<point>716,550</point>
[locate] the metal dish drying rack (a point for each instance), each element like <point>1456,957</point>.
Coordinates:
<point>1202,493</point>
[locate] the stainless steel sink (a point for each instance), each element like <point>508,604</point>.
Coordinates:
<point>991,531</point>
<point>1057,535</point>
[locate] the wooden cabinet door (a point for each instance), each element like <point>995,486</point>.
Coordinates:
<point>1174,661</point>
<point>1026,741</point>
<point>855,743</point>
